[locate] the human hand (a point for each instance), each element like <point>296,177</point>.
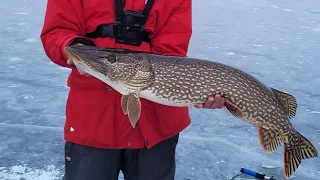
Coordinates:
<point>70,62</point>
<point>212,103</point>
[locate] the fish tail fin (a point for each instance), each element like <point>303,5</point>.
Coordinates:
<point>293,155</point>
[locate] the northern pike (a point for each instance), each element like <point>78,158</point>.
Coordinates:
<point>184,81</point>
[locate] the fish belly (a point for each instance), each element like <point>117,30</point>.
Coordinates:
<point>168,101</point>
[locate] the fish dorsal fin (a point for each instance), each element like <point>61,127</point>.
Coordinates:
<point>288,102</point>
<point>234,109</point>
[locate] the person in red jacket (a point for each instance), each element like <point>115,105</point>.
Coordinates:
<point>100,141</point>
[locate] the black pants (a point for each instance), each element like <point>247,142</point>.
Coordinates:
<point>87,163</point>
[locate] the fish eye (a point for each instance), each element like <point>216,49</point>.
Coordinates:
<point>111,58</point>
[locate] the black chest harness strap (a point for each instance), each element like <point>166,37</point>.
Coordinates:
<point>129,26</point>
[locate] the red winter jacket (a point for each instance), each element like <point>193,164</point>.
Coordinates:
<point>93,112</point>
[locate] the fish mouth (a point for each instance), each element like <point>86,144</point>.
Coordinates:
<point>71,55</point>
<point>78,62</point>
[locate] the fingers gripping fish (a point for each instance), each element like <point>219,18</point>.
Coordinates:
<point>183,81</point>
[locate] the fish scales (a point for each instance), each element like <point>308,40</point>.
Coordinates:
<point>208,78</point>
<point>184,81</point>
<point>211,78</point>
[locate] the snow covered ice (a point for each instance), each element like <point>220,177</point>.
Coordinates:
<point>277,41</point>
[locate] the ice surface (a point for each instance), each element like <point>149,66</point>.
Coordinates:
<point>277,41</point>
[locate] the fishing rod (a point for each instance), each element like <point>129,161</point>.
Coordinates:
<point>253,174</point>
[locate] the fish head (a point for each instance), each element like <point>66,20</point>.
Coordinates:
<point>116,67</point>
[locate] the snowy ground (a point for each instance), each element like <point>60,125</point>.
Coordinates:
<point>277,41</point>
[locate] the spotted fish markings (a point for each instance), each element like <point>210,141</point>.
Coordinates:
<point>183,81</point>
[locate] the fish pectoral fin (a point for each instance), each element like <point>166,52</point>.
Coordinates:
<point>287,101</point>
<point>124,104</point>
<point>294,154</point>
<point>133,108</point>
<point>234,109</point>
<point>270,140</point>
